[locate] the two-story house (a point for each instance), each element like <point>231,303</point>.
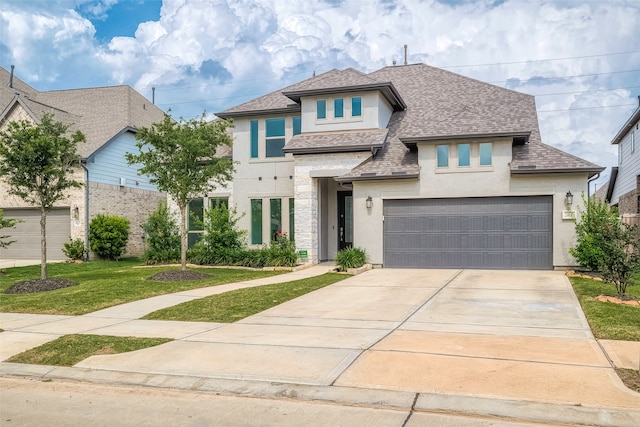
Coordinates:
<point>623,189</point>
<point>419,166</point>
<point>108,117</point>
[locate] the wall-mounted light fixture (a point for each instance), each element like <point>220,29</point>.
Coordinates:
<point>568,199</point>
<point>369,202</point>
<point>76,212</point>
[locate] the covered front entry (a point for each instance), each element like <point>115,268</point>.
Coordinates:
<point>483,232</point>
<point>27,234</point>
<point>335,218</point>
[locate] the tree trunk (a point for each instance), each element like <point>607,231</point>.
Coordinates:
<point>43,243</point>
<point>183,237</point>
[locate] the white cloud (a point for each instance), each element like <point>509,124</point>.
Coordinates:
<point>214,54</point>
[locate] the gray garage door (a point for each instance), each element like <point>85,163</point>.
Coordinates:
<point>494,232</point>
<point>27,234</point>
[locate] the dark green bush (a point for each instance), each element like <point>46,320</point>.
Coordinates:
<point>162,244</point>
<point>351,258</point>
<point>75,249</point>
<point>108,236</point>
<point>591,228</point>
<point>221,228</point>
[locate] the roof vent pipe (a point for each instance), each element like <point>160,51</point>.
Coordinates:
<point>11,77</point>
<point>153,95</point>
<point>638,95</point>
<point>405,54</point>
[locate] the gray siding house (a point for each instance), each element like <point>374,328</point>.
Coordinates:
<point>421,167</point>
<point>108,117</point>
<point>624,185</point>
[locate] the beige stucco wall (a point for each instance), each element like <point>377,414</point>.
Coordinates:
<point>490,182</point>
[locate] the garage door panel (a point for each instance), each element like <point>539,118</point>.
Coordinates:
<point>498,232</point>
<point>27,234</point>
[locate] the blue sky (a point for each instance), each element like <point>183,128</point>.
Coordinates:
<point>580,58</point>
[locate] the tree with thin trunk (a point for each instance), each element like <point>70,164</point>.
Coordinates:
<point>180,159</point>
<point>37,161</point>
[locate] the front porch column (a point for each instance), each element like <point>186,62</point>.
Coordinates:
<point>306,214</point>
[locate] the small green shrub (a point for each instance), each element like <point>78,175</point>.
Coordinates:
<point>351,258</point>
<point>6,223</point>
<point>74,249</point>
<point>221,228</point>
<point>162,244</point>
<point>108,236</point>
<point>281,252</point>
<point>591,228</point>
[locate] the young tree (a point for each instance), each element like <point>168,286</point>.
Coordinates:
<point>179,157</point>
<point>6,223</point>
<point>37,162</point>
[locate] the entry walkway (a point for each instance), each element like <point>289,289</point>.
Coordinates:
<point>504,343</point>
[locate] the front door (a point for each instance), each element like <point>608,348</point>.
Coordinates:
<point>345,219</point>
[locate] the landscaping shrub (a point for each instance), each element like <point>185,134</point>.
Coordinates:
<point>221,228</point>
<point>162,244</point>
<point>108,236</point>
<point>281,252</point>
<point>590,232</point>
<point>74,249</point>
<point>351,258</point>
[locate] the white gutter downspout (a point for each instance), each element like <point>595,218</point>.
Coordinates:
<point>86,207</point>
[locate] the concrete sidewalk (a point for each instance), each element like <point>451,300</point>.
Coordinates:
<point>512,344</point>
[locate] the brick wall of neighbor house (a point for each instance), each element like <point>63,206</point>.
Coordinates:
<point>628,203</point>
<point>130,203</point>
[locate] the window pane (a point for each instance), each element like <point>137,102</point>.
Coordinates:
<point>254,139</point>
<point>356,106</point>
<point>219,201</point>
<point>485,154</point>
<point>464,154</point>
<point>275,127</point>
<point>275,206</point>
<point>194,213</point>
<point>256,221</point>
<point>321,109</point>
<point>338,107</point>
<point>297,125</point>
<point>443,155</point>
<point>274,147</point>
<point>292,227</point>
<point>193,238</point>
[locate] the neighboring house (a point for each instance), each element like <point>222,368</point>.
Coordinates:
<point>419,166</point>
<point>108,117</point>
<point>623,189</point>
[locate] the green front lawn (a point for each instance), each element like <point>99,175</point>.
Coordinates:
<point>103,284</point>
<point>71,349</point>
<point>236,305</point>
<point>608,320</point>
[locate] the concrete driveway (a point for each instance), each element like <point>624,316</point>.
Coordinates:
<point>489,334</point>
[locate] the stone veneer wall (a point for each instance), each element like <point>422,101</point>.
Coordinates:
<point>306,194</point>
<point>628,203</point>
<point>131,203</point>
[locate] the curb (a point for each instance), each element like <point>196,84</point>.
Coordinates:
<point>351,396</point>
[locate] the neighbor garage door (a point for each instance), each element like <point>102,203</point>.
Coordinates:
<point>27,234</point>
<point>495,232</point>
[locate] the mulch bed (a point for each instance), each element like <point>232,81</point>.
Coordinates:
<point>178,276</point>
<point>630,378</point>
<point>39,285</point>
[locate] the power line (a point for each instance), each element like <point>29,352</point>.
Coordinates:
<point>586,108</point>
<point>571,77</point>
<point>586,91</point>
<point>540,60</point>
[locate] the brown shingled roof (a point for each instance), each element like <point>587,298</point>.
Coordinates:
<point>100,113</point>
<point>331,142</point>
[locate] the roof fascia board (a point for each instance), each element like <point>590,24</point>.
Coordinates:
<point>591,171</point>
<point>413,141</point>
<point>329,150</point>
<point>386,88</point>
<point>251,113</point>
<point>376,177</point>
<point>611,184</point>
<point>625,128</point>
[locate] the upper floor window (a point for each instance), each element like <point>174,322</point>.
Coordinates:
<point>321,109</point>
<point>486,154</point>
<point>274,137</point>
<point>338,108</point>
<point>633,142</point>
<point>356,106</point>
<point>253,131</point>
<point>297,125</point>
<point>443,155</point>
<point>464,154</point>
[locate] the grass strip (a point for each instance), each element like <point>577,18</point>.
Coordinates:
<point>235,305</point>
<point>608,320</point>
<point>71,349</point>
<point>103,284</point>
